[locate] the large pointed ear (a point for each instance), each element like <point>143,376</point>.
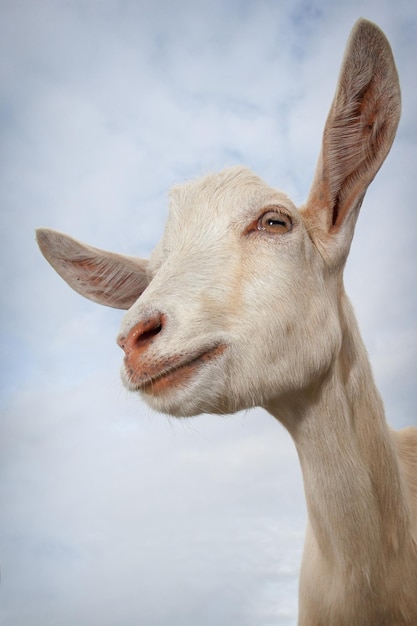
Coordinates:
<point>104,277</point>
<point>358,135</point>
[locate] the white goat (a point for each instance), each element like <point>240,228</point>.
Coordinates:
<point>242,304</point>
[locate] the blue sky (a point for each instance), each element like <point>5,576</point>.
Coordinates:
<point>111,514</point>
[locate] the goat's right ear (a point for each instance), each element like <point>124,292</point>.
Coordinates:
<point>104,277</point>
<point>358,135</point>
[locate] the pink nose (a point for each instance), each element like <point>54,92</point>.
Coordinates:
<point>142,334</point>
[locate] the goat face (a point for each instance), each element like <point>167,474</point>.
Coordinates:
<point>236,312</point>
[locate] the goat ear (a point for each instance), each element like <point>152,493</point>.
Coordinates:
<point>104,277</point>
<point>358,135</point>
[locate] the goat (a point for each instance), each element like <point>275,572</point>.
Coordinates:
<point>242,304</point>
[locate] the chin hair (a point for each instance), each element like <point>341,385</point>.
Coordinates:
<point>189,402</point>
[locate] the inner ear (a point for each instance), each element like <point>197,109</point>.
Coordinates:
<point>359,130</point>
<point>358,139</point>
<point>105,277</point>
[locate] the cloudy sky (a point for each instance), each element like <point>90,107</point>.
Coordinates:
<point>111,514</point>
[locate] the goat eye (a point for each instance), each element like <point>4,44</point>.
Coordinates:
<point>275,222</point>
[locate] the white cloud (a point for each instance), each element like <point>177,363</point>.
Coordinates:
<point>132,517</point>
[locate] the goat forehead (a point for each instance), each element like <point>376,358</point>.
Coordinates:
<point>207,216</point>
<point>222,199</point>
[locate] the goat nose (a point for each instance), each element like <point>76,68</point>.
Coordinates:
<point>142,334</point>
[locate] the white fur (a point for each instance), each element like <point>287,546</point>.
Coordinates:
<point>234,311</point>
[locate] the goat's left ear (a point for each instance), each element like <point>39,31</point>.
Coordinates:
<point>104,277</point>
<point>358,135</point>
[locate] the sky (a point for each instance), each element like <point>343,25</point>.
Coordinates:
<point>109,513</point>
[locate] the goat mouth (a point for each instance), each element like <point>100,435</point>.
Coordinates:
<point>172,375</point>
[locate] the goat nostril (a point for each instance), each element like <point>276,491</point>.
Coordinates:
<point>141,334</point>
<point>147,335</point>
